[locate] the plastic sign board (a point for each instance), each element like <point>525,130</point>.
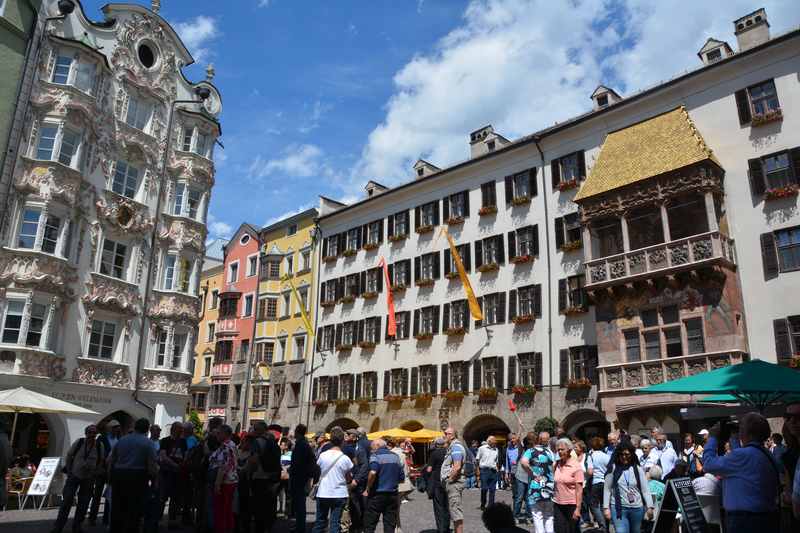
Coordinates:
<point>48,467</point>
<point>680,498</point>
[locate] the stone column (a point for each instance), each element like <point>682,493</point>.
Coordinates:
<point>587,243</point>
<point>62,237</point>
<point>26,318</point>
<point>665,223</point>
<point>626,241</point>
<point>37,245</point>
<point>711,212</point>
<point>47,330</point>
<point>194,277</point>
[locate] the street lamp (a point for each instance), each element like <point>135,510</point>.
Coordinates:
<point>66,7</point>
<point>202,94</point>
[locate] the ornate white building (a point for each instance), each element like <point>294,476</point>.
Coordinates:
<point>104,240</point>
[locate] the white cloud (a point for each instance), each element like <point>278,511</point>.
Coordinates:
<point>218,228</point>
<point>522,65</point>
<point>263,3</point>
<point>278,218</point>
<point>298,160</point>
<point>318,109</point>
<point>196,35</point>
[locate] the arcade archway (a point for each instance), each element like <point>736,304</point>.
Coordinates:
<point>480,427</point>
<point>411,425</point>
<point>344,423</point>
<point>124,418</point>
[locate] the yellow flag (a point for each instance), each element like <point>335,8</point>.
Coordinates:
<point>306,321</point>
<point>474,307</point>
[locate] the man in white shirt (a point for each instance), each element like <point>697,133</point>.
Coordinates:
<point>487,466</point>
<point>668,457</point>
<point>650,454</point>
<point>334,467</point>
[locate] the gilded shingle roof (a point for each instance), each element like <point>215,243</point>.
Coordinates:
<point>650,148</point>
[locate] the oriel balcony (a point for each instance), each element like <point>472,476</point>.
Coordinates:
<point>656,240</point>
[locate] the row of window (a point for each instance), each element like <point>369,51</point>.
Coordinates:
<point>661,334</point>
<point>499,373</point>
<point>267,352</point>
<point>774,172</point>
<point>274,267</point>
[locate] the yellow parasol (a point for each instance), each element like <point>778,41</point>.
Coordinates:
<point>393,433</point>
<point>425,435</point>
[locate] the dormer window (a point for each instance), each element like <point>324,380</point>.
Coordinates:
<point>602,101</point>
<point>420,171</point>
<point>68,70</point>
<point>714,55</point>
<point>139,112</point>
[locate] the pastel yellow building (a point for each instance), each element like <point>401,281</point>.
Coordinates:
<point>282,344</point>
<point>211,282</point>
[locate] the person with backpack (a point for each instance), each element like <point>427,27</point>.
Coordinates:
<point>469,471</point>
<point>626,493</point>
<point>302,470</point>
<point>331,491</point>
<point>85,461</point>
<point>693,455</point>
<point>264,466</point>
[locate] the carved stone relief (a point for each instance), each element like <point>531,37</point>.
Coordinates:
<point>123,213</point>
<point>112,294</point>
<point>48,181</point>
<point>101,373</point>
<point>183,233</point>
<point>170,382</point>
<point>174,306</point>
<point>40,270</point>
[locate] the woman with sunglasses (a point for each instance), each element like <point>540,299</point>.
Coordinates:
<point>626,494</point>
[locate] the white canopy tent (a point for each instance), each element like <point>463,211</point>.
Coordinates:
<point>22,400</point>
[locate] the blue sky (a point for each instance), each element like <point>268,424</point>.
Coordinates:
<point>321,95</point>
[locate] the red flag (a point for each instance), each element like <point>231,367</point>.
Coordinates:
<point>511,405</point>
<point>392,325</point>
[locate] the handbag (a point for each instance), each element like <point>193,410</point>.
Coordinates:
<point>325,473</point>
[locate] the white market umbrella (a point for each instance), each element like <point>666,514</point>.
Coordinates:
<point>22,400</point>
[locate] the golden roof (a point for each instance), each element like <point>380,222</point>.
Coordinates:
<point>652,147</point>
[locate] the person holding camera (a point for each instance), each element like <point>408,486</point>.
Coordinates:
<point>85,462</point>
<point>749,473</point>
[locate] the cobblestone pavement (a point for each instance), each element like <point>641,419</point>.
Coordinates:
<point>415,516</point>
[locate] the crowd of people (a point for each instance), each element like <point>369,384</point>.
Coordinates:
<point>746,479</point>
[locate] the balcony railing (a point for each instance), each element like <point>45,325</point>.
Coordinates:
<point>681,254</point>
<point>227,326</point>
<point>623,377</point>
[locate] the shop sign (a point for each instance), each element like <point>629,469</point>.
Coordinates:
<point>44,476</point>
<point>216,412</point>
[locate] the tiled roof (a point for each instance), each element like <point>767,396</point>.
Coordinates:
<point>650,148</point>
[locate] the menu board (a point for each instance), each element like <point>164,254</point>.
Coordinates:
<point>680,498</point>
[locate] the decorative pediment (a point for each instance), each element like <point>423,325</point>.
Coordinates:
<point>49,180</point>
<point>111,294</point>
<point>274,250</point>
<point>123,213</point>
<point>191,166</point>
<point>34,269</point>
<point>102,373</point>
<point>133,141</point>
<point>174,306</point>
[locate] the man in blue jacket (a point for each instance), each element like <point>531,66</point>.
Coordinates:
<point>357,440</point>
<point>750,476</point>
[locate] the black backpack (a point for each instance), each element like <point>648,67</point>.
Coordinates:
<point>269,456</point>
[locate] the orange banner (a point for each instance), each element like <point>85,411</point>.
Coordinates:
<point>391,326</point>
<point>474,307</point>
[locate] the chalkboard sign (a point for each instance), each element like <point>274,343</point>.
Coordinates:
<point>680,498</point>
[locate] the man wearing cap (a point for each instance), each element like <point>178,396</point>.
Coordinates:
<point>111,435</point>
<point>360,471</point>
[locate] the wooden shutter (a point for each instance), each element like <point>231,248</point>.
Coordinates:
<point>342,242</point>
<point>380,278</point>
<point>414,380</point>
<point>743,106</point>
<point>755,174</point>
<point>387,383</point>
<point>445,386</point>
<point>374,377</point>
<point>485,195</point>
<point>380,230</point>
<point>555,173</point>
<point>464,253</point>
<point>465,305</point>
<point>434,380</point>
<point>795,157</point>
<point>501,253</point>
<point>532,185</point>
<point>377,329</point>
<point>437,266</point>
<point>417,217</point>
<point>357,393</point>
<point>445,208</point>
<point>512,304</point>
<point>501,304</point>
<point>769,256</point>
<point>476,375</point>
<point>416,322</point>
<point>581,164</point>
<point>783,343</point>
<point>339,287</point>
<point>537,301</point>
<point>501,369</point>
<point>362,282</point>
<point>338,335</point>
<point>512,372</point>
<point>537,370</point>
<point>478,254</point>
<point>390,226</point>
<point>406,325</point>
<point>319,339</point>
<point>479,323</point>
<point>436,213</point>
<point>363,234</point>
<point>407,281</point>
<point>333,388</point>
<point>447,261</point>
<point>564,367</point>
<point>360,330</point>
<point>562,294</point>
<point>446,316</point>
<point>324,248</point>
<point>535,230</point>
<point>512,245</point>
<point>509,189</point>
<point>405,382</point>
<point>386,331</point>
<point>559,229</point>
<point>466,203</point>
<point>314,389</point>
<point>464,376</point>
<point>591,370</point>
<point>435,319</point>
<point>417,268</point>
<point>352,386</point>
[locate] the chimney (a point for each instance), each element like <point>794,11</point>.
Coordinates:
<point>751,30</point>
<point>374,188</point>
<point>604,97</point>
<point>423,169</point>
<point>485,140</point>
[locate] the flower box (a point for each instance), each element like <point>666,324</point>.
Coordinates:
<point>328,303</point>
<point>427,282</point>
<point>571,246</point>
<point>580,383</point>
<point>521,200</point>
<point>371,246</point>
<point>524,390</point>
<point>520,259</point>
<point>453,395</point>
<point>574,310</point>
<point>781,192</point>
<point>349,252</point>
<point>455,331</point>
<point>398,238</point>
<point>344,347</point>
<point>522,319</point>
<point>423,336</point>
<point>452,275</point>
<point>455,221</point>
<point>422,397</point>
<point>393,398</point>
<point>343,402</point>
<point>487,394</point>
<point>427,228</point>
<point>364,402</point>
<point>367,345</point>
<point>488,267</point>
<point>399,287</point>
<point>487,210</point>
<point>772,115</point>
<point>320,403</point>
<point>330,258</point>
<point>347,299</point>
<point>568,184</point>
<point>368,295</point>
